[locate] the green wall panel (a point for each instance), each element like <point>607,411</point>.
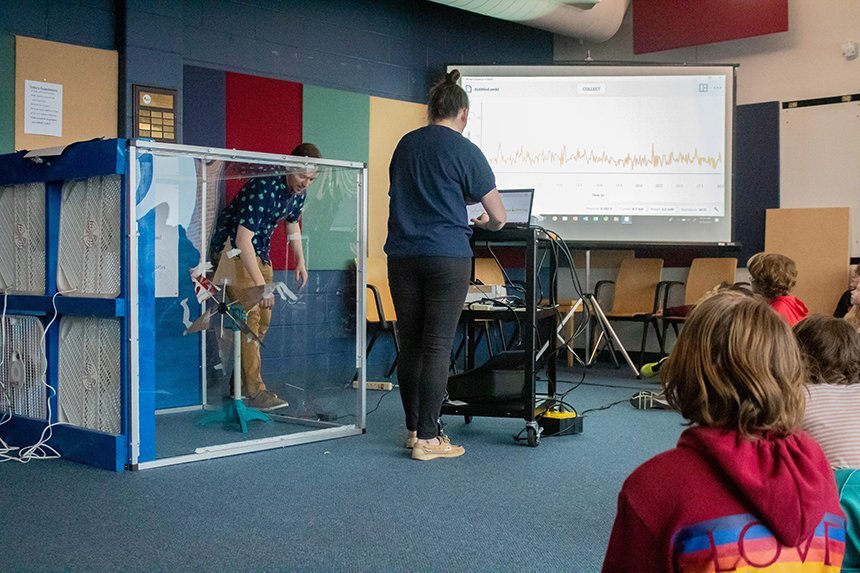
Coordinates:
<point>7,93</point>
<point>338,123</point>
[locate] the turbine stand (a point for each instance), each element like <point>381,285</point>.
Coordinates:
<point>235,410</point>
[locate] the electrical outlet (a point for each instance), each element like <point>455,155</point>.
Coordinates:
<point>375,385</point>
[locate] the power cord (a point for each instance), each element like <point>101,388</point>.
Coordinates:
<point>40,450</point>
<point>375,408</point>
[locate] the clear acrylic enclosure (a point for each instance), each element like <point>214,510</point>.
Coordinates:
<point>243,355</point>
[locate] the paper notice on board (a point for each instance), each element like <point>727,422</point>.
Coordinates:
<point>43,108</point>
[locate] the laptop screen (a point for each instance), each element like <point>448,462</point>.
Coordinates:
<point>518,206</point>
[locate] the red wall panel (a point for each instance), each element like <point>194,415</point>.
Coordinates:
<point>263,115</point>
<point>666,24</point>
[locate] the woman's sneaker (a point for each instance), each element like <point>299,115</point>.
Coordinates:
<point>444,449</point>
<point>410,442</point>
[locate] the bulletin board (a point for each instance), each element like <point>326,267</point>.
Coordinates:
<point>819,166</point>
<point>817,240</point>
<point>389,121</point>
<point>88,77</point>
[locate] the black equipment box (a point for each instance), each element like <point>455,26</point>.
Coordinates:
<point>500,378</point>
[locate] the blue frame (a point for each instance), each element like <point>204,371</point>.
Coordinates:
<point>78,161</point>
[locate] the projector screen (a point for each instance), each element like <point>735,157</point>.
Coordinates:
<point>615,154</point>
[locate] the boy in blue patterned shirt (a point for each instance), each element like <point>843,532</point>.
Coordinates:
<point>247,224</point>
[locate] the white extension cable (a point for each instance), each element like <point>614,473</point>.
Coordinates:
<point>40,450</point>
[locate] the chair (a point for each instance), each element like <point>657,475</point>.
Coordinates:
<point>705,274</point>
<point>380,306</point>
<point>637,290</point>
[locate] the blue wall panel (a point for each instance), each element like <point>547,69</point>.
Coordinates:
<point>387,48</point>
<point>756,174</point>
<point>88,24</point>
<point>205,121</point>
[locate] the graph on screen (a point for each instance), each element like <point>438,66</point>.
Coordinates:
<point>613,153</point>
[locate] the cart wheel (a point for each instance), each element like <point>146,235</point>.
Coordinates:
<point>533,437</point>
<point>467,419</point>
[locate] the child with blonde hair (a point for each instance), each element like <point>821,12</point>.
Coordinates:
<point>773,276</point>
<point>743,490</point>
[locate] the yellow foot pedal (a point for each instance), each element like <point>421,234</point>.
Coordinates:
<point>555,422</point>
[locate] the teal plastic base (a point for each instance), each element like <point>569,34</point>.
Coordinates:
<point>233,413</point>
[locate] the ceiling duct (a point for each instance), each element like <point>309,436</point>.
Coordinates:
<point>589,20</point>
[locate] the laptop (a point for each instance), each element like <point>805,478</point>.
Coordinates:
<point>518,206</point>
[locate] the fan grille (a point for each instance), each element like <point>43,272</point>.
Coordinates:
<point>89,250</point>
<point>89,373</point>
<point>22,373</point>
<point>22,238</point>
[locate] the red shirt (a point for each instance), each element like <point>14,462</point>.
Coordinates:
<point>720,502</point>
<point>791,308</point>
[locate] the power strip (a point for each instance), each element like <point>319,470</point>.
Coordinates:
<point>375,385</point>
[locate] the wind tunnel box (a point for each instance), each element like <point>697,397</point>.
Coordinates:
<point>119,328</point>
<point>240,367</point>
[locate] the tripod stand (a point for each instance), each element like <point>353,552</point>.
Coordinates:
<point>589,302</point>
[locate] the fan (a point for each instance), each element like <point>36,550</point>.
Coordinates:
<point>88,261</point>
<point>88,384</point>
<point>22,367</point>
<point>22,238</point>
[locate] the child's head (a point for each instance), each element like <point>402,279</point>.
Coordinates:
<point>830,348</point>
<point>736,365</point>
<point>854,278</point>
<point>772,274</point>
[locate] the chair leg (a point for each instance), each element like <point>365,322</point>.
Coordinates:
<point>665,332</point>
<point>644,341</point>
<point>396,352</point>
<point>660,339</point>
<point>489,334</point>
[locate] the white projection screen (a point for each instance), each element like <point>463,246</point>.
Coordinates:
<point>615,154</point>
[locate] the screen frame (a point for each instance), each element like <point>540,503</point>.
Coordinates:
<point>598,69</point>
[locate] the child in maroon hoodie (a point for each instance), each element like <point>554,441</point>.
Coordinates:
<point>743,490</point>
<point>773,276</point>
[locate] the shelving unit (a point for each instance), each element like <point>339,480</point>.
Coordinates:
<point>77,162</point>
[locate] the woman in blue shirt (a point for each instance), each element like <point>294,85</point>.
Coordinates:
<point>434,173</point>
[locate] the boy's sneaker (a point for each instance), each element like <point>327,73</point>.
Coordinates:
<point>652,368</point>
<point>445,449</point>
<point>266,400</point>
<point>646,400</point>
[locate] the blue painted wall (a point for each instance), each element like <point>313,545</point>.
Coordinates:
<point>83,22</point>
<point>387,48</point>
